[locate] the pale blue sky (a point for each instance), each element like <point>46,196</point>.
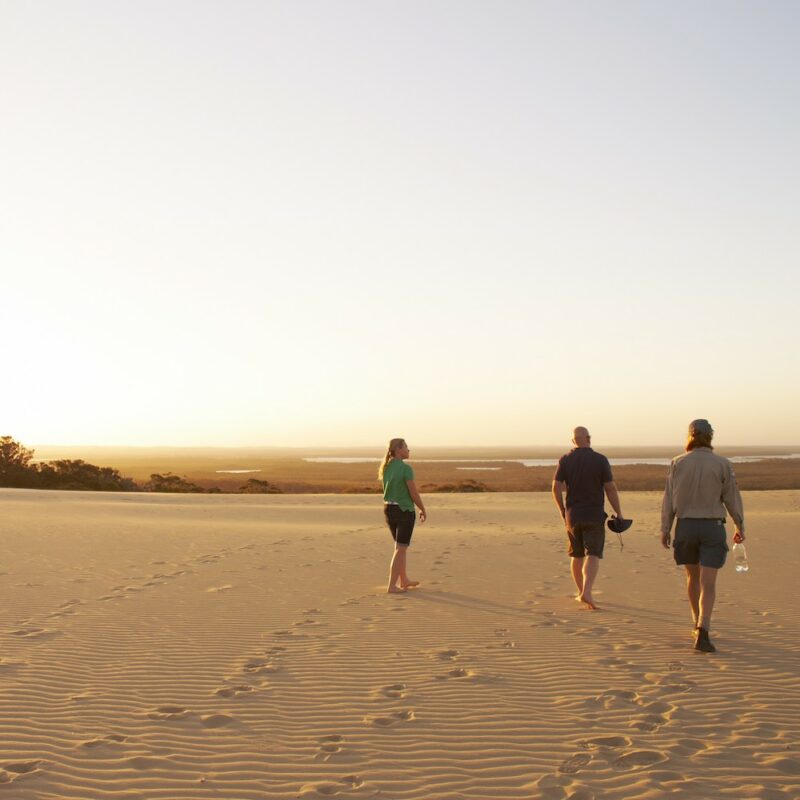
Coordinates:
<point>229,223</point>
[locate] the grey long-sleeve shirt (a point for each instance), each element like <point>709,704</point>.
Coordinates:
<point>701,485</point>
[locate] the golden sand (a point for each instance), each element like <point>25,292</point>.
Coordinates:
<point>238,647</point>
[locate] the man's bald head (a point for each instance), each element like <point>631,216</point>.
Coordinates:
<point>581,436</point>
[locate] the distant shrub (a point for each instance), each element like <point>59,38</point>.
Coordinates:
<point>171,484</point>
<point>468,485</point>
<point>15,467</point>
<point>76,474</point>
<point>255,486</point>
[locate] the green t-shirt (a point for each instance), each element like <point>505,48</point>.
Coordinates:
<point>395,488</point>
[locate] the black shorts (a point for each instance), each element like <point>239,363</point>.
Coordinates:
<point>586,537</point>
<point>401,523</point>
<point>700,541</point>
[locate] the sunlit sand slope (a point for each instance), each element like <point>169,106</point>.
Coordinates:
<point>241,647</point>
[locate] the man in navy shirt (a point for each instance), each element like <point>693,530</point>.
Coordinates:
<point>586,475</point>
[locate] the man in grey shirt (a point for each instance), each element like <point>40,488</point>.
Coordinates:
<point>700,487</point>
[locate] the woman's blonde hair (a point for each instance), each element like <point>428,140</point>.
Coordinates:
<point>394,444</point>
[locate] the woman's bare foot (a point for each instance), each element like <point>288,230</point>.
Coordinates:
<point>589,602</point>
<point>396,590</point>
<point>409,584</point>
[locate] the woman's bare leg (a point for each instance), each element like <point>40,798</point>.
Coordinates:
<point>405,581</point>
<point>397,568</point>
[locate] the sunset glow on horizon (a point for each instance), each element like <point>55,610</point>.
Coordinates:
<point>293,224</point>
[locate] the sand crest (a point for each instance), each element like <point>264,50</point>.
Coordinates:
<point>238,647</point>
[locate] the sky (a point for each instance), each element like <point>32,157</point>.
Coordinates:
<point>464,223</point>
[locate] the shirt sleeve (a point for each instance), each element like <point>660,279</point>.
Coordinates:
<point>667,509</point>
<point>731,497</point>
<point>559,476</point>
<point>607,475</point>
<point>409,472</point>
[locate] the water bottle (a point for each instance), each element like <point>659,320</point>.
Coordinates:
<point>740,557</point>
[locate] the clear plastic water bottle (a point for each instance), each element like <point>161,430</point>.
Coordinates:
<point>740,557</point>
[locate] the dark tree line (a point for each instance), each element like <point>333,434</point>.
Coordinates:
<point>19,470</point>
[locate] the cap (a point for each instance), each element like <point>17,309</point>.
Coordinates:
<point>619,525</point>
<point>701,426</point>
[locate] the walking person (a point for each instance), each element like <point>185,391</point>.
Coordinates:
<point>700,486</point>
<point>400,495</point>
<point>587,477</point>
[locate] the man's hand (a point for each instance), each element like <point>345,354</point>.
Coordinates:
<point>665,540</point>
<point>423,515</point>
<point>738,536</point>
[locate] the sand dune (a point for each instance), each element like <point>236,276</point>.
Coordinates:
<point>238,647</point>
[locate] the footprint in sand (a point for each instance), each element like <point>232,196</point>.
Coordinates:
<point>329,746</point>
<point>331,788</point>
<point>13,770</point>
<point>648,723</point>
<point>668,684</point>
<point>233,691</point>
<point>615,698</point>
<point>598,631</point>
<point>447,655</point>
<point>457,674</point>
<point>216,720</point>
<point>169,713</point>
<point>611,661</point>
<point>29,632</point>
<point>574,763</point>
<point>637,759</point>
<point>391,719</point>
<point>143,763</point>
<point>785,764</point>
<point>603,742</point>
<point>111,739</point>
<point>258,666</point>
<point>394,691</point>
<point>225,588</point>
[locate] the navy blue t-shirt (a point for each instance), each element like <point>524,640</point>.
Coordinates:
<point>584,472</point>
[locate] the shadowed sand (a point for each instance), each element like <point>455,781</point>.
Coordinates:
<point>166,647</point>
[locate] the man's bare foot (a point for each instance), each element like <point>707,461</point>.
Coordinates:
<point>578,598</point>
<point>589,602</point>
<point>409,584</point>
<point>395,590</point>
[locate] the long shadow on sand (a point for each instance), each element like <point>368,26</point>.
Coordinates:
<point>467,601</point>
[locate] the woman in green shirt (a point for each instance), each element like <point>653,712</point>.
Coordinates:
<point>400,495</point>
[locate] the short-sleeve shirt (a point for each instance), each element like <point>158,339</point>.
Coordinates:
<point>584,471</point>
<point>395,486</point>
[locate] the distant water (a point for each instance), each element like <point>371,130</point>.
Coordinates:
<point>529,462</point>
<point>237,471</point>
